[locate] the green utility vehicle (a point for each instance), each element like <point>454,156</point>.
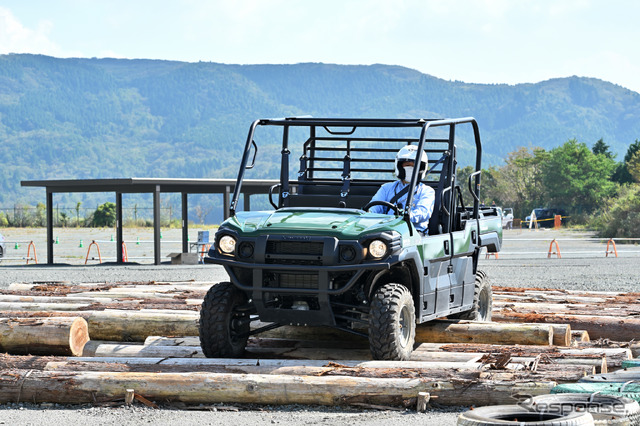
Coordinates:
<point>319,258</point>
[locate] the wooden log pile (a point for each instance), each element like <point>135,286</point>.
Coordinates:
<point>603,315</point>
<point>144,346</point>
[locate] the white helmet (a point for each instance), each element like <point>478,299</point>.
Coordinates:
<point>409,153</point>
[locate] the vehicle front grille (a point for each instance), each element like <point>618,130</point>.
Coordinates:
<point>295,247</point>
<point>297,281</point>
<point>308,262</point>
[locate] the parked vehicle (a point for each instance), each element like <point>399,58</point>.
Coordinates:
<point>545,216</point>
<point>321,259</point>
<point>2,247</point>
<point>507,218</point>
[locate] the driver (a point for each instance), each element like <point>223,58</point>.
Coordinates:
<point>396,192</point>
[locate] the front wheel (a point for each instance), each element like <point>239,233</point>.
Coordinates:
<point>224,322</point>
<point>392,323</point>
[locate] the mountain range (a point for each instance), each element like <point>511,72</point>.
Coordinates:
<point>97,118</point>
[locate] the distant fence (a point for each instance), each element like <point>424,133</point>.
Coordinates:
<point>608,247</point>
<point>22,216</point>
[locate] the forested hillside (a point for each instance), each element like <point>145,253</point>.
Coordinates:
<point>92,118</point>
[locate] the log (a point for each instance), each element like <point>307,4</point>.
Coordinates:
<point>172,341</point>
<point>278,363</point>
<point>92,302</point>
<point>435,331</point>
<point>611,309</point>
<point>312,353</point>
<point>43,307</point>
<point>117,350</point>
<point>559,373</point>
<point>560,292</point>
<point>428,371</point>
<point>65,287</point>
<point>128,326</point>
<point>613,356</point>
<point>208,388</point>
<point>387,369</point>
<point>137,326</point>
<point>443,371</point>
<point>43,336</point>
<point>605,327</point>
<point>171,306</point>
<point>484,332</point>
<point>561,334</point>
<point>580,336</point>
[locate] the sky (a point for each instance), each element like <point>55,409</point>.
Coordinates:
<point>475,41</point>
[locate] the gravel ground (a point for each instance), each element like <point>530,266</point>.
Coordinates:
<point>523,263</point>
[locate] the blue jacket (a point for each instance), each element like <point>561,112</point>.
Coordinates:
<point>421,208</point>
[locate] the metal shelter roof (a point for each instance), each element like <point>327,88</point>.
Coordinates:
<point>147,185</point>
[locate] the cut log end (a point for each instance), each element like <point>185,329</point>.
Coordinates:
<point>43,336</point>
<point>78,336</point>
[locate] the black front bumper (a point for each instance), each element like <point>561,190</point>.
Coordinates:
<point>320,286</point>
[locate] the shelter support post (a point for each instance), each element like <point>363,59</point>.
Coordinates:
<point>185,223</point>
<point>156,225</point>
<point>49,227</point>
<point>119,238</point>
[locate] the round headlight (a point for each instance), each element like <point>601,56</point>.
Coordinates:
<point>377,248</point>
<point>227,244</point>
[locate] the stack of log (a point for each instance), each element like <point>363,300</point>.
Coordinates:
<point>603,315</point>
<point>133,351</point>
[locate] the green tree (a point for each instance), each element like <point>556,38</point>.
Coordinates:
<point>633,166</point>
<point>576,179</point>
<point>105,215</point>
<point>78,213</point>
<point>64,219</point>
<point>41,215</point>
<point>520,181</point>
<point>622,217</point>
<point>622,174</point>
<point>601,148</point>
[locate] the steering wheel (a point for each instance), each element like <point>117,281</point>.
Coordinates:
<point>382,203</point>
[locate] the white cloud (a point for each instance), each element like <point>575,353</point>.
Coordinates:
<point>16,38</point>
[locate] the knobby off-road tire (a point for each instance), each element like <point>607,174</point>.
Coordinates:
<point>223,329</point>
<point>392,323</point>
<point>482,301</point>
<point>607,410</point>
<point>515,415</point>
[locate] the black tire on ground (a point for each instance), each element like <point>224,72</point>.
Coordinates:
<point>515,415</point>
<point>392,323</point>
<point>482,301</point>
<point>606,409</point>
<point>223,329</point>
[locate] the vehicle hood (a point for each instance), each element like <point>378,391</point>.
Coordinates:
<point>341,223</point>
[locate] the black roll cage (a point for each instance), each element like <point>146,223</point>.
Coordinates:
<point>348,127</point>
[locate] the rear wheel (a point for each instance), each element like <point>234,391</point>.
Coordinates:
<point>392,323</point>
<point>482,301</point>
<point>224,322</point>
